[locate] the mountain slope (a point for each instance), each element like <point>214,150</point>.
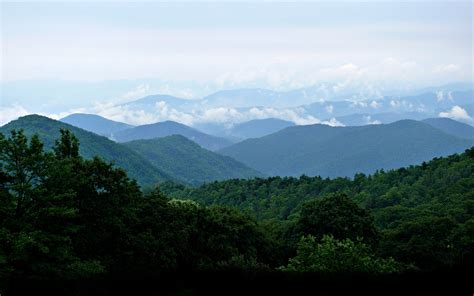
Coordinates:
<point>148,102</point>
<point>95,123</point>
<point>452,127</point>
<point>168,128</point>
<point>91,145</point>
<point>184,159</point>
<point>344,151</point>
<point>259,128</point>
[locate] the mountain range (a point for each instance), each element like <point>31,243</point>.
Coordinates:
<point>172,151</point>
<point>250,129</point>
<point>343,151</point>
<point>172,158</point>
<point>91,145</point>
<point>95,123</point>
<point>169,128</point>
<point>185,160</point>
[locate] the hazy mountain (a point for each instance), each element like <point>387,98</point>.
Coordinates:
<point>150,102</point>
<point>91,145</point>
<point>344,151</point>
<point>426,104</point>
<point>249,129</point>
<point>378,118</point>
<point>186,160</point>
<point>168,128</point>
<point>258,128</point>
<point>95,123</point>
<point>452,127</point>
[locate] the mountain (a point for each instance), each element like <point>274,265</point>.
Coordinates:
<point>95,123</point>
<point>183,159</point>
<point>377,118</point>
<point>91,145</point>
<point>150,102</point>
<point>259,128</point>
<point>420,106</point>
<point>343,151</point>
<point>452,127</point>
<point>168,128</point>
<point>250,129</point>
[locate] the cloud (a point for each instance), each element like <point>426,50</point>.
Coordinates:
<point>12,112</point>
<point>368,120</point>
<point>333,122</point>
<point>395,103</point>
<point>136,93</point>
<point>160,112</point>
<point>439,96</point>
<point>450,95</point>
<point>446,69</point>
<point>375,104</point>
<point>456,113</point>
<point>329,109</point>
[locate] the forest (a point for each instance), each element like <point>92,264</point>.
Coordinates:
<point>64,218</point>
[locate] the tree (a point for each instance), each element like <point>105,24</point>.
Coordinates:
<point>332,256</point>
<point>338,216</point>
<point>23,165</point>
<point>425,241</point>
<point>67,146</point>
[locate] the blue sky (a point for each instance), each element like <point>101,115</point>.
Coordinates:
<point>112,50</point>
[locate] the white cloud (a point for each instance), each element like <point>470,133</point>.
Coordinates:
<point>450,95</point>
<point>136,93</point>
<point>439,96</point>
<point>329,109</point>
<point>332,122</point>
<point>446,69</point>
<point>10,113</point>
<point>375,104</point>
<point>368,120</point>
<point>456,113</point>
<point>395,103</point>
<point>358,104</point>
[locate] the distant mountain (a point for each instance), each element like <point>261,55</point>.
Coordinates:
<point>259,128</point>
<point>426,104</point>
<point>185,160</point>
<point>452,127</point>
<point>95,123</point>
<point>169,128</point>
<point>91,145</point>
<point>344,151</point>
<point>250,129</point>
<point>377,118</point>
<point>148,102</point>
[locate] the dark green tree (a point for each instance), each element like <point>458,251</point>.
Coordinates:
<point>336,215</point>
<point>332,256</point>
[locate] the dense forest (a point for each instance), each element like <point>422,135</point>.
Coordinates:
<point>64,218</point>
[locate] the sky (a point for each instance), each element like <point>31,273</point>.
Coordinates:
<point>63,55</point>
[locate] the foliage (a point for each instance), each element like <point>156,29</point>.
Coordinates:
<point>344,151</point>
<point>332,256</point>
<point>48,130</point>
<point>185,160</point>
<point>418,208</point>
<point>335,215</point>
<point>66,217</point>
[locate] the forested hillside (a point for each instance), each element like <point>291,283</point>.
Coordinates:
<point>416,208</point>
<point>69,218</point>
<point>321,150</point>
<point>185,160</point>
<point>95,123</point>
<point>169,128</point>
<point>48,131</point>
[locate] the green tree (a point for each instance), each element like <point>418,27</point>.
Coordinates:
<point>332,256</point>
<point>335,215</point>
